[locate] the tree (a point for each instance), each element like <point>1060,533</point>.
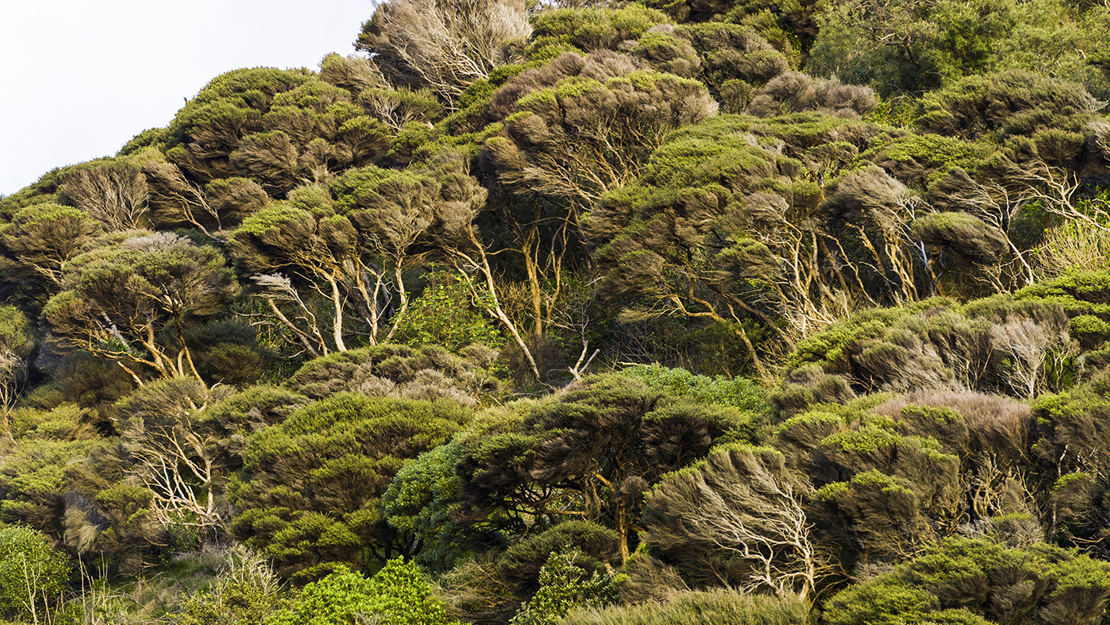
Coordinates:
<point>744,502</point>
<point>119,301</point>
<point>722,227</point>
<point>1042,585</point>
<point>563,587</point>
<point>41,239</point>
<point>224,202</point>
<point>175,459</point>
<point>445,45</point>
<point>209,127</point>
<point>898,46</point>
<point>116,195</point>
<point>16,344</point>
<point>591,454</point>
<point>310,490</point>
<point>352,250</point>
<point>583,137</point>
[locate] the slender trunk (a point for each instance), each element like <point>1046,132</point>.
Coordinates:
<point>337,323</point>
<point>622,526</point>
<point>404,303</point>
<point>498,312</point>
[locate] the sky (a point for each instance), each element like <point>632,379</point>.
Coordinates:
<point>80,78</point>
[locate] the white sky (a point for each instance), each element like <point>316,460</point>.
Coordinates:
<point>80,78</point>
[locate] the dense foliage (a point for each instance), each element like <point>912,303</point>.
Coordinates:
<point>581,312</point>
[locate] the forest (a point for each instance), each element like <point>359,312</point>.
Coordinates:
<point>741,312</point>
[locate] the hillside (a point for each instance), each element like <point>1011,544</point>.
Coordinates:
<point>583,313</point>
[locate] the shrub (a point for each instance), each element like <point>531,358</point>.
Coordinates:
<point>32,573</point>
<point>398,594</point>
<point>977,582</point>
<point>594,546</point>
<point>564,585</point>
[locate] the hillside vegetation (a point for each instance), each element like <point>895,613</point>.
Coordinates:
<point>701,311</point>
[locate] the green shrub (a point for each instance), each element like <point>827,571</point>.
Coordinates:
<point>445,314</point>
<point>739,393</point>
<point>32,573</point>
<point>399,595</point>
<point>564,585</point>
<point>978,582</point>
<point>593,545</point>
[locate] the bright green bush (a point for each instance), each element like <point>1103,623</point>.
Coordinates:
<point>445,314</point>
<point>399,595</point>
<point>564,585</point>
<point>32,573</point>
<point>739,393</point>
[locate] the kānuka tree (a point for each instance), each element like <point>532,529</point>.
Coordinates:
<point>132,299</point>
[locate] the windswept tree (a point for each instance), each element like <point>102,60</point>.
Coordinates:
<point>131,301</point>
<point>309,495</point>
<point>210,127</point>
<point>177,201</point>
<point>41,240</point>
<point>723,225</point>
<point>584,137</point>
<point>115,194</point>
<point>352,251</point>
<point>743,505</point>
<point>16,343</point>
<point>591,455</point>
<point>177,461</point>
<point>445,45</point>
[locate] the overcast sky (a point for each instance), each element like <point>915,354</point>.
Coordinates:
<point>79,78</point>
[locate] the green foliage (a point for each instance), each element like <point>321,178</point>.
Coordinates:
<point>32,573</point>
<point>592,29</point>
<point>976,581</point>
<point>563,586</point>
<point>909,47</point>
<point>118,300</point>
<point>740,509</point>
<point>594,548</point>
<point>597,449</point>
<point>398,593</point>
<point>41,239</point>
<point>739,393</point>
<point>921,279</point>
<point>33,475</point>
<point>310,492</point>
<point>246,591</point>
<point>423,500</point>
<point>445,315</point>
<point>1011,103</point>
<point>427,372</point>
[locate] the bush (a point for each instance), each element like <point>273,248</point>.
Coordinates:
<point>309,492</point>
<point>564,585</point>
<point>399,594</point>
<point>1013,102</point>
<point>32,573</point>
<point>976,582</point>
<point>445,314</point>
<point>739,393</point>
<point>594,546</point>
<point>246,591</point>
